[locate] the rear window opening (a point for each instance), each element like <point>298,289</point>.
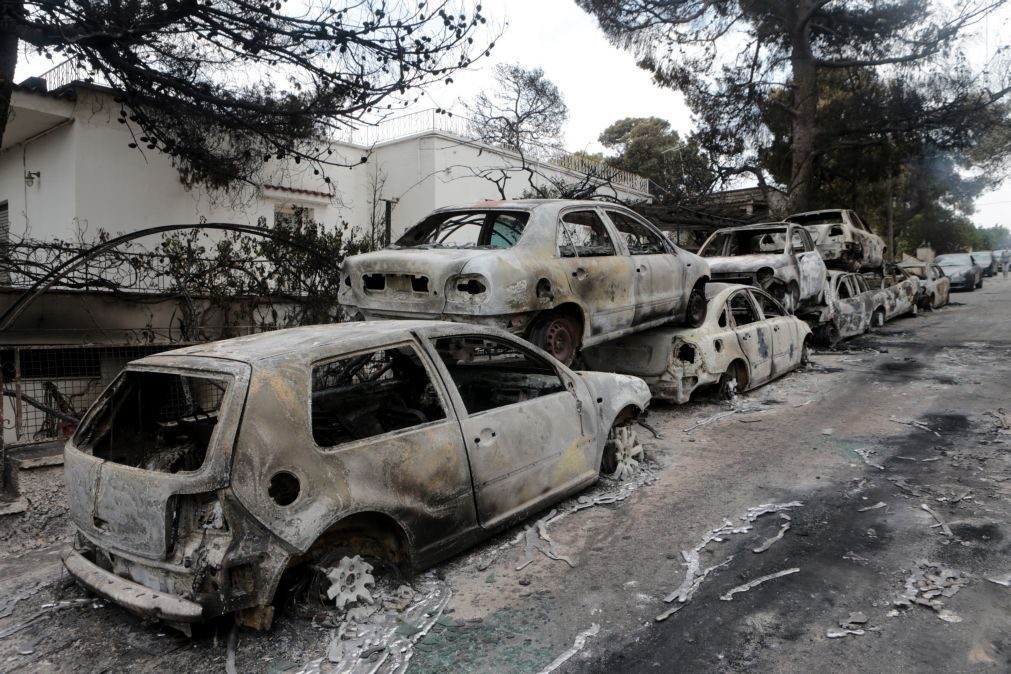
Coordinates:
<point>156,421</point>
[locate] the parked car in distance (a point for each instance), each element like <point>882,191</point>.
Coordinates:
<point>963,271</point>
<point>897,293</point>
<point>202,475</point>
<point>850,305</point>
<point>936,285</point>
<point>564,274</point>
<point>843,239</point>
<point>986,260</point>
<point>747,340</point>
<point>778,257</point>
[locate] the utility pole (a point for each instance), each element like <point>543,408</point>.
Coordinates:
<point>389,219</point>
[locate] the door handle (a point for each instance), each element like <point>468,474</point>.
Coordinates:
<point>746,337</point>
<point>775,329</point>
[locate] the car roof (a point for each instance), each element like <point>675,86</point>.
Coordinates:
<point>524,204</point>
<point>760,225</point>
<point>267,345</point>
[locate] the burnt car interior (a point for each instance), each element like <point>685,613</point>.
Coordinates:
<point>583,234</point>
<point>370,394</point>
<point>746,242</point>
<point>638,237</point>
<point>491,373</point>
<point>742,309</point>
<point>156,421</point>
<point>468,229</point>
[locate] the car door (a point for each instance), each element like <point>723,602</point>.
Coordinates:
<point>659,275</point>
<point>525,424</point>
<point>942,284</point>
<point>786,346</point>
<point>753,336</point>
<point>811,268</point>
<point>600,275</point>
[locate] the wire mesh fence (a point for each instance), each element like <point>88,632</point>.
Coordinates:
<point>46,390</point>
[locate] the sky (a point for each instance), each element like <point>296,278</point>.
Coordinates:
<point>601,83</point>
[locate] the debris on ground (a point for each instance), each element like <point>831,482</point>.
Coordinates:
<point>537,532</point>
<point>755,583</point>
<point>738,407</point>
<point>695,575</point>
<point>576,647</point>
<point>907,487</point>
<point>940,522</point>
<point>1004,579</point>
<point>350,581</point>
<point>44,614</point>
<point>385,642</point>
<point>768,544</point>
<point>1003,421</point>
<point>837,633</point>
<point>915,424</point>
<point>879,504</point>
<point>865,453</point>
<point>927,583</point>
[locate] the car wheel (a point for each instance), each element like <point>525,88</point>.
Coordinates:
<point>623,452</point>
<point>559,335</point>
<point>829,334</point>
<point>805,353</point>
<point>878,318</point>
<point>695,314</point>
<point>980,283</point>
<point>732,382</point>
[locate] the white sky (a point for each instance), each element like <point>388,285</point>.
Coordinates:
<point>600,83</point>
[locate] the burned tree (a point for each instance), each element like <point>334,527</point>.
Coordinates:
<point>223,86</point>
<point>738,62</point>
<point>525,113</point>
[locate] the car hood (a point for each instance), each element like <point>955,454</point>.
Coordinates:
<point>746,263</point>
<point>951,270</point>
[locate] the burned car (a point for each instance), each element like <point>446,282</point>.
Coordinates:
<point>896,293</point>
<point>843,239</point>
<point>563,274</point>
<point>936,285</point>
<point>850,306</point>
<point>778,257</point>
<point>962,270</point>
<point>748,339</point>
<point>202,475</point>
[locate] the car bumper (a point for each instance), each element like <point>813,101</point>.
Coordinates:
<point>130,595</point>
<point>963,285</point>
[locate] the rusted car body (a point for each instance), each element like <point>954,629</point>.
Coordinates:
<point>748,339</point>
<point>202,474</point>
<point>843,239</point>
<point>779,257</point>
<point>937,286</point>
<point>850,306</point>
<point>564,274</point>
<point>896,293</point>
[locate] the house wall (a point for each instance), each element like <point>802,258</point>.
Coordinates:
<point>45,210</point>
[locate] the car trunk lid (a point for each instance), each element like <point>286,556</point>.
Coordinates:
<point>163,431</point>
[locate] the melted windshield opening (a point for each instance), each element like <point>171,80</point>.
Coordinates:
<point>954,261</point>
<point>155,420</point>
<point>746,242</point>
<point>467,229</point>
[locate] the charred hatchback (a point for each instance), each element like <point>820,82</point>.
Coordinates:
<point>202,475</point>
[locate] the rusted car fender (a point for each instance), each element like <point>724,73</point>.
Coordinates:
<point>613,395</point>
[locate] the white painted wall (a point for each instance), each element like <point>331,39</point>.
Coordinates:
<point>92,180</point>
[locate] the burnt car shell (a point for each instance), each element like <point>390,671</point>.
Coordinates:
<point>183,537</point>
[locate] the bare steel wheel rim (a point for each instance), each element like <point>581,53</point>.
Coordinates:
<point>627,451</point>
<point>559,341</point>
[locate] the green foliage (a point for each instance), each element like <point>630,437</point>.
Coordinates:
<point>677,169</point>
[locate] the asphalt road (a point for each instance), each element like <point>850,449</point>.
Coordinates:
<point>792,441</point>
